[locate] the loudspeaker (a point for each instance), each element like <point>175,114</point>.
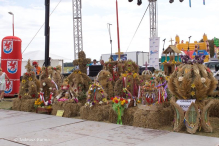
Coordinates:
<point>171,1</point>
<point>94,70</point>
<point>216,67</point>
<point>139,2</point>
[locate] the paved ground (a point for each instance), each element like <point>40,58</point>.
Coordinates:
<point>22,128</point>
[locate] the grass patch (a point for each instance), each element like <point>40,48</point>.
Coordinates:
<point>6,104</point>
<point>67,69</point>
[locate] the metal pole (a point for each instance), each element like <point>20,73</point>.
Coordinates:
<point>13,24</point>
<point>77,27</point>
<point>110,40</point>
<point>118,30</point>
<point>188,45</point>
<point>189,42</point>
<point>12,21</point>
<point>47,32</point>
<point>164,43</point>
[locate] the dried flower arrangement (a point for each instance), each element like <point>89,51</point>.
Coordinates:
<point>105,79</point>
<point>96,95</point>
<point>192,80</point>
<point>29,90</point>
<point>48,89</point>
<point>29,87</point>
<point>80,83</point>
<point>66,93</point>
<point>82,62</point>
<point>54,73</point>
<point>129,81</point>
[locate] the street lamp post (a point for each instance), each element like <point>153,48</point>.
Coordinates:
<point>188,45</point>
<point>164,43</point>
<point>110,42</point>
<point>12,21</point>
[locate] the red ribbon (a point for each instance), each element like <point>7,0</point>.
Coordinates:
<point>113,76</point>
<point>95,96</point>
<point>123,81</point>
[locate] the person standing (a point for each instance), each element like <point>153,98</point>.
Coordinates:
<point>102,62</point>
<point>95,62</point>
<point>3,75</point>
<point>37,68</point>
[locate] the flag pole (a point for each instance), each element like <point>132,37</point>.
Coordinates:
<point>118,29</point>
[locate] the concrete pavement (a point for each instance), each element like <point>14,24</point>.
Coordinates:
<point>23,128</point>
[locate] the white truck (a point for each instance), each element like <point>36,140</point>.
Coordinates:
<point>139,57</point>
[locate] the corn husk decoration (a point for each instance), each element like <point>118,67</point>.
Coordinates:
<point>192,80</point>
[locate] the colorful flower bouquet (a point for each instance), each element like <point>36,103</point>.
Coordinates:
<point>96,95</point>
<point>129,97</point>
<point>119,104</point>
<point>40,103</point>
<point>90,103</point>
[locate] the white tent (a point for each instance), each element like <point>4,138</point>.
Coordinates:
<point>39,56</point>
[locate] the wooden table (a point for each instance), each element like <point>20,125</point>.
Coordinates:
<point>40,109</point>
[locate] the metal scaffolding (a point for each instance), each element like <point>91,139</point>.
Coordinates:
<point>77,27</point>
<point>153,18</point>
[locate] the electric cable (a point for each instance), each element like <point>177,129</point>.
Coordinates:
<point>138,27</point>
<point>41,27</point>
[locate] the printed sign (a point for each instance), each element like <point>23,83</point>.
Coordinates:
<point>9,87</point>
<point>154,46</point>
<point>184,104</point>
<point>7,47</point>
<point>60,113</point>
<point>12,66</point>
<point>122,57</point>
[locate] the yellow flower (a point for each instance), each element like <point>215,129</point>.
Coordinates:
<point>30,79</point>
<point>124,75</point>
<point>167,78</point>
<point>104,100</point>
<point>193,85</point>
<point>173,62</point>
<point>23,81</point>
<point>192,93</point>
<point>139,101</point>
<point>49,107</point>
<point>164,62</point>
<point>135,75</point>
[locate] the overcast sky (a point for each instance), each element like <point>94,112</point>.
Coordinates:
<point>176,18</point>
